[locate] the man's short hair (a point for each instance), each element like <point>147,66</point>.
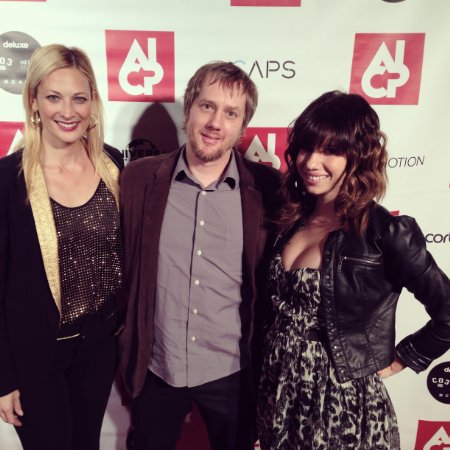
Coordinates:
<point>227,75</point>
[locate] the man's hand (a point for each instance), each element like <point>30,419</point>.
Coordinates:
<point>10,408</point>
<point>396,366</point>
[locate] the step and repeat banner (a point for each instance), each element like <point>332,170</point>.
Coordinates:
<point>395,53</point>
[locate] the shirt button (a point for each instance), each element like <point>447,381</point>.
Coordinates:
<point>196,282</point>
<point>195,311</point>
<point>203,193</point>
<point>202,222</point>
<point>199,252</point>
<point>193,338</point>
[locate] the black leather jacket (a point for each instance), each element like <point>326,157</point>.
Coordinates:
<point>361,280</point>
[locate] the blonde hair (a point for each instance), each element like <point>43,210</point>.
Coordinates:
<point>44,61</point>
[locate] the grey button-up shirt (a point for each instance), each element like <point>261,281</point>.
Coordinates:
<point>197,320</point>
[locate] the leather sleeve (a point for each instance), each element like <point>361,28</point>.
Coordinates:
<point>412,266</point>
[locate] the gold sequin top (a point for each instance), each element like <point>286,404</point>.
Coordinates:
<point>90,257</point>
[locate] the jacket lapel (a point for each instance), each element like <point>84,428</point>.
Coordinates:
<point>46,231</point>
<point>154,205</point>
<point>251,214</point>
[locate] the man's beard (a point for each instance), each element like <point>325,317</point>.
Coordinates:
<point>207,157</point>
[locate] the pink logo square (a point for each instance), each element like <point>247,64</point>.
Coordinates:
<point>432,435</point>
<point>10,134</point>
<point>265,145</point>
<point>140,66</point>
<point>387,68</point>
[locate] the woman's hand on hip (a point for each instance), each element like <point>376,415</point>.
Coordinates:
<point>11,409</point>
<point>396,366</point>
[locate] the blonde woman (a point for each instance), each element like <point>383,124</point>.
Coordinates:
<point>60,259</point>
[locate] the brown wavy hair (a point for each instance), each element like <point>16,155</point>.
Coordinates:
<point>341,124</point>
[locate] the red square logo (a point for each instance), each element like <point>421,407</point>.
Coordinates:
<point>432,435</point>
<point>10,134</point>
<point>265,145</point>
<point>265,2</point>
<point>387,68</point>
<point>141,66</point>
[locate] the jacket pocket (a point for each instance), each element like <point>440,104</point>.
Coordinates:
<point>368,262</point>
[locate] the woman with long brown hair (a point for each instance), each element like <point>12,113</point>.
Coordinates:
<point>338,267</point>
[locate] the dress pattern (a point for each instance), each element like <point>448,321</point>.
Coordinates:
<point>301,404</point>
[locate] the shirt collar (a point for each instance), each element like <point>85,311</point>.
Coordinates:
<point>229,180</point>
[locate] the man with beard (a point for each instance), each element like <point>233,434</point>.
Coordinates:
<point>196,224</point>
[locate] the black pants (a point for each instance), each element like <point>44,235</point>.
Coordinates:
<point>65,411</point>
<point>225,406</point>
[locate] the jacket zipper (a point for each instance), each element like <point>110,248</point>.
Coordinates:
<point>368,262</point>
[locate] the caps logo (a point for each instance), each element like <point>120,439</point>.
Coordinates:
<point>10,134</point>
<point>140,65</point>
<point>432,435</point>
<point>265,2</point>
<point>387,68</point>
<point>265,145</point>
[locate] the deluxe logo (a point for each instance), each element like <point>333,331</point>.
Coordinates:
<point>432,435</point>
<point>265,2</point>
<point>15,53</point>
<point>265,145</point>
<point>140,65</point>
<point>10,134</point>
<point>15,44</point>
<point>387,68</point>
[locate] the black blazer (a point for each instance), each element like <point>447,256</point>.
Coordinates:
<point>29,317</point>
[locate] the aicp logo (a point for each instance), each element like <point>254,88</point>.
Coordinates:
<point>140,66</point>
<point>432,435</point>
<point>265,2</point>
<point>265,145</point>
<point>10,134</point>
<point>387,68</point>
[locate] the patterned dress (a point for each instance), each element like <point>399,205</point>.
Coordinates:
<point>302,405</point>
